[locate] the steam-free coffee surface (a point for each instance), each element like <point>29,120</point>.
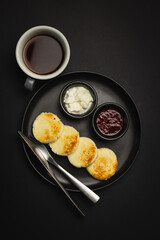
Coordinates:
<point>43,54</point>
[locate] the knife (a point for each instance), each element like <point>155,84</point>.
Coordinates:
<point>39,154</point>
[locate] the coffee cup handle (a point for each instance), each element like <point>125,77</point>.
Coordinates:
<point>29,83</point>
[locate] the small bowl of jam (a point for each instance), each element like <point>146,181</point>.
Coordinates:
<point>110,121</point>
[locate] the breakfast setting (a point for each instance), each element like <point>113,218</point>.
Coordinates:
<point>77,123</point>
<point>80,113</point>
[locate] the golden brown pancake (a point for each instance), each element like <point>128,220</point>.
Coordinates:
<point>67,142</point>
<point>47,127</point>
<point>85,153</point>
<point>105,164</point>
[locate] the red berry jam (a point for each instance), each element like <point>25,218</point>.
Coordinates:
<point>109,121</point>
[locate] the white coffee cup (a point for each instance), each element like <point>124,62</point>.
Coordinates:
<point>32,32</point>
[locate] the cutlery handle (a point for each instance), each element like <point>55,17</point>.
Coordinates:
<point>83,188</point>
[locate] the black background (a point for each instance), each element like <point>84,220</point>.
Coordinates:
<point>119,39</point>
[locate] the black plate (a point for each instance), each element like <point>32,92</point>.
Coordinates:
<point>46,99</point>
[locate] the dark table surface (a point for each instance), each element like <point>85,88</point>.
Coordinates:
<point>119,39</point>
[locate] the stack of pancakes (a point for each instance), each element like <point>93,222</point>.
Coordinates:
<point>81,151</point>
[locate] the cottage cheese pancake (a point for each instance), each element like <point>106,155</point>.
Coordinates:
<point>47,127</point>
<point>67,142</point>
<point>105,164</point>
<point>85,153</point>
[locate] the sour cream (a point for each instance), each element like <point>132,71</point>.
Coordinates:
<point>78,100</point>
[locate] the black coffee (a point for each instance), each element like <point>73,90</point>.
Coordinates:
<point>43,54</point>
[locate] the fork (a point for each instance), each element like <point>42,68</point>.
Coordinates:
<point>47,156</point>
